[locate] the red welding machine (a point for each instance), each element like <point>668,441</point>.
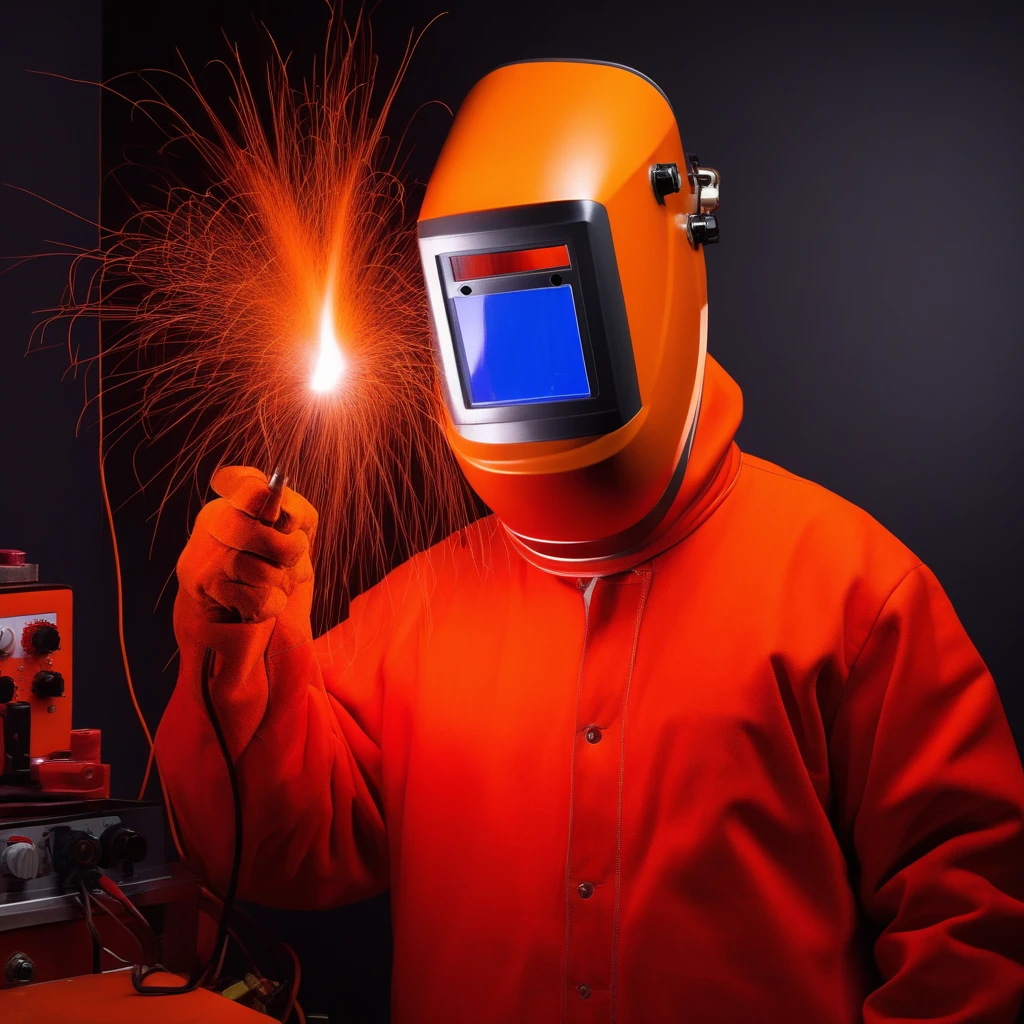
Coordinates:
<point>61,837</point>
<point>42,757</point>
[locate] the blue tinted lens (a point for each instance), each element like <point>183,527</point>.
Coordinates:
<point>522,346</point>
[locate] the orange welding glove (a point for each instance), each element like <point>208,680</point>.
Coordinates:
<point>245,592</point>
<point>245,589</point>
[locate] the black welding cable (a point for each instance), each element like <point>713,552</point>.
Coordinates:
<point>98,903</point>
<point>140,974</point>
<point>97,942</point>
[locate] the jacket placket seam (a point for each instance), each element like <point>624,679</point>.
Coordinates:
<point>646,577</point>
<point>572,797</point>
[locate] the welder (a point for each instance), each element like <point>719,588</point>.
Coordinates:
<point>672,735</point>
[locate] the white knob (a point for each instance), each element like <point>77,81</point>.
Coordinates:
<point>20,860</point>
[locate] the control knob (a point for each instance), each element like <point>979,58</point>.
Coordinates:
<point>20,859</point>
<point>122,844</point>
<point>48,684</point>
<point>45,638</point>
<point>8,687</point>
<point>74,850</point>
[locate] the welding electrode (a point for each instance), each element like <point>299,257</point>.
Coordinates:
<point>272,507</point>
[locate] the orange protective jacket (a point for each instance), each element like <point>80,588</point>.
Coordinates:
<point>763,776</point>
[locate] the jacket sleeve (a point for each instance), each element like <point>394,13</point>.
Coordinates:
<point>929,800</point>
<point>303,719</point>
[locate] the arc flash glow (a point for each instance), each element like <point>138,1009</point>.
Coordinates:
<point>330,363</point>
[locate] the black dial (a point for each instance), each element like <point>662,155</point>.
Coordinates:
<point>73,850</point>
<point>48,684</point>
<point>45,639</point>
<point>7,688</point>
<point>122,844</point>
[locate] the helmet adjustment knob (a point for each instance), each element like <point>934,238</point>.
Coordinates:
<point>665,179</point>
<point>702,226</point>
<point>702,229</point>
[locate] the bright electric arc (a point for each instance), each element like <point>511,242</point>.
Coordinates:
<point>330,363</point>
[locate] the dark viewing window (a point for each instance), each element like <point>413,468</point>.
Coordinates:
<point>522,346</point>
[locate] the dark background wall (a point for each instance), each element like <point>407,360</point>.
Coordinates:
<point>49,145</point>
<point>866,294</point>
<point>49,487</point>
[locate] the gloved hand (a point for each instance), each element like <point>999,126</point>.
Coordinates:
<point>237,569</point>
<point>246,591</point>
<point>308,771</point>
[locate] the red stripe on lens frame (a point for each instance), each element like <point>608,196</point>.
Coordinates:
<point>520,261</point>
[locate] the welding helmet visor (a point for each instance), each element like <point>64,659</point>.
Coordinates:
<point>532,326</point>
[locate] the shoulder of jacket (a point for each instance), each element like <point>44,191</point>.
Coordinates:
<point>830,545</point>
<point>813,515</point>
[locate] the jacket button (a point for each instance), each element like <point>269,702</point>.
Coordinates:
<point>593,734</point>
<point>584,991</point>
<point>585,889</point>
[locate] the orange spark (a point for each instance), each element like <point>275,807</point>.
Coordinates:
<point>220,293</point>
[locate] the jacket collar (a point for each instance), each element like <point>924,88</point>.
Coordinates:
<point>711,472</point>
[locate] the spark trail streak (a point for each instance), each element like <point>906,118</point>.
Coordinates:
<point>284,302</point>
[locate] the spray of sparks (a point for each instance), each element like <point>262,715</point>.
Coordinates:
<point>278,312</point>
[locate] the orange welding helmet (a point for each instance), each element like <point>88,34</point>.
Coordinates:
<point>561,238</point>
